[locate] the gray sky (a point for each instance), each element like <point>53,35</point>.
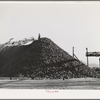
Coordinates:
<point>68,24</point>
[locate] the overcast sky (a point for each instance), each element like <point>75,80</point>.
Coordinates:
<point>68,24</point>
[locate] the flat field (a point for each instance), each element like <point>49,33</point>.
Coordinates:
<point>75,83</point>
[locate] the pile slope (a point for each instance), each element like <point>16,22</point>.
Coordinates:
<point>42,59</point>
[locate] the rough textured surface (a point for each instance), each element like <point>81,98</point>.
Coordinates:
<point>42,59</point>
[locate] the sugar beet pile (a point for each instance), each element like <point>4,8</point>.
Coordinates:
<point>42,59</point>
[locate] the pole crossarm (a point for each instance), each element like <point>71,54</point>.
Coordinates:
<point>95,54</point>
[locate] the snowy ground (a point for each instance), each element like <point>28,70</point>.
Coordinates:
<point>76,83</point>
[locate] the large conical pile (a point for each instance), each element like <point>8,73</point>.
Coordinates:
<point>42,59</point>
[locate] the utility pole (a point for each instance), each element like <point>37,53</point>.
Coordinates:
<point>73,51</point>
<point>87,57</point>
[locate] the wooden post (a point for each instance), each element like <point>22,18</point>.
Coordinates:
<point>39,37</point>
<point>87,57</point>
<point>73,51</point>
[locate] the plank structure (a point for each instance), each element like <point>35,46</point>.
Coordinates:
<point>93,54</point>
